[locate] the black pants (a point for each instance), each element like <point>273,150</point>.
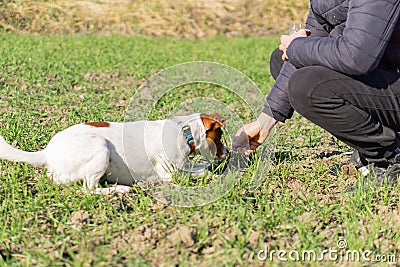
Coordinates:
<point>363,112</point>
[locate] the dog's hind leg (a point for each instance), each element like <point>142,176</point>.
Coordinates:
<point>91,183</point>
<point>95,168</point>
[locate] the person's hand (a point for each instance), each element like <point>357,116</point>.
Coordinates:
<point>252,135</point>
<point>287,39</point>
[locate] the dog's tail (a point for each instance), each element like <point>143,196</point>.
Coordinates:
<point>11,153</point>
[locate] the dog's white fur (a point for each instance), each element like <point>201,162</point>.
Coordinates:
<point>125,152</point>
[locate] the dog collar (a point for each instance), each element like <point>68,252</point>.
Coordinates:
<point>187,133</point>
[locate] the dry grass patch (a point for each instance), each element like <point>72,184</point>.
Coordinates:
<point>179,18</point>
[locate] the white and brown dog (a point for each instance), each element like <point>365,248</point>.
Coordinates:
<point>124,152</point>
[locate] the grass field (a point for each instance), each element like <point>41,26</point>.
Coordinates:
<point>49,83</point>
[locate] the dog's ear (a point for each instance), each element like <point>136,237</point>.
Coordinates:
<point>212,121</point>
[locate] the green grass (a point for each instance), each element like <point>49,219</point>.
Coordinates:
<point>50,83</point>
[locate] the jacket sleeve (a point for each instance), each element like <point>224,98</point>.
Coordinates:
<point>369,26</point>
<point>277,104</point>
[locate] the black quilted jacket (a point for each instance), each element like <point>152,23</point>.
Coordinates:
<point>362,35</point>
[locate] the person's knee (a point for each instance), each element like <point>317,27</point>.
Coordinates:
<point>298,89</point>
<point>303,85</point>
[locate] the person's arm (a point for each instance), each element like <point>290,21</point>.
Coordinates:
<point>369,26</point>
<point>277,103</point>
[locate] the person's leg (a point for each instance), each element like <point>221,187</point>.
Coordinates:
<point>363,114</point>
<point>275,63</point>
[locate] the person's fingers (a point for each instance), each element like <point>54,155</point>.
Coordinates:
<point>255,141</point>
<point>281,47</point>
<point>248,152</point>
<point>303,33</point>
<point>284,56</point>
<point>254,145</point>
<point>286,39</point>
<point>248,138</point>
<point>299,33</point>
<point>252,129</point>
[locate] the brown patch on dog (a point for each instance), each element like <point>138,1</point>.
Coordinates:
<point>99,124</point>
<point>209,120</point>
<point>212,124</point>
